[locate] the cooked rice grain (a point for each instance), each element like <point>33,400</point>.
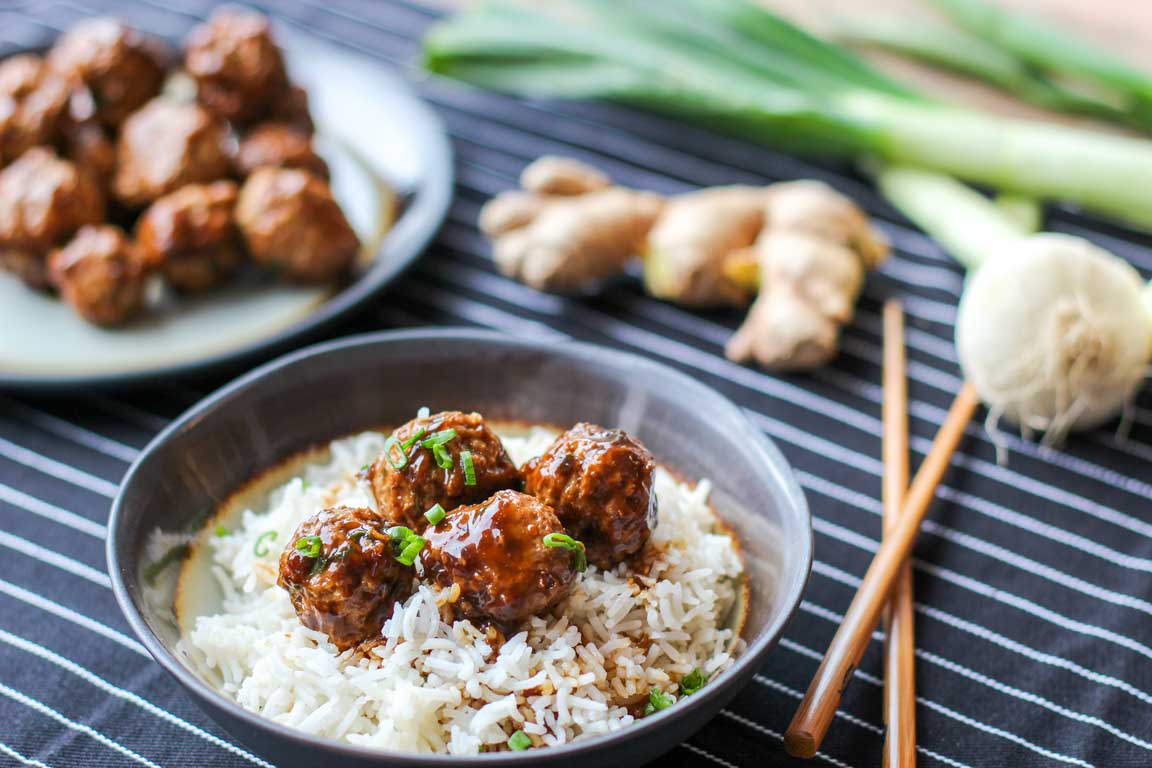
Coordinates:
<point>432,686</point>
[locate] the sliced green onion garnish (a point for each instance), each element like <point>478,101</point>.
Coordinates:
<point>304,484</point>
<point>318,565</point>
<point>692,682</point>
<point>519,741</point>
<point>469,467</point>
<point>259,547</point>
<point>424,412</point>
<point>435,514</point>
<point>443,458</point>
<point>173,555</point>
<point>439,438</point>
<point>222,531</point>
<point>357,534</point>
<point>411,550</point>
<point>400,533</point>
<point>657,700</point>
<point>414,439</point>
<point>567,542</point>
<point>394,453</point>
<point>310,546</point>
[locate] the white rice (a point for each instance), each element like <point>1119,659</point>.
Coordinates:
<point>433,686</point>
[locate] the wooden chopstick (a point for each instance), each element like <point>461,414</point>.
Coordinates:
<point>899,649</point>
<point>815,712</point>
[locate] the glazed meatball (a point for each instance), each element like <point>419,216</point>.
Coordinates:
<point>165,146</point>
<point>84,141</point>
<point>292,109</point>
<point>348,589</point>
<point>33,103</point>
<point>43,201</point>
<point>495,553</point>
<point>122,67</point>
<point>599,481</point>
<point>191,235</point>
<point>291,222</point>
<point>279,145</point>
<point>101,273</point>
<point>404,494</point>
<point>238,68</point>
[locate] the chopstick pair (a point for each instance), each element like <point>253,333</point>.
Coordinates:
<point>888,580</point>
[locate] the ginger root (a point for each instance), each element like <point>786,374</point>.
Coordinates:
<point>691,241</point>
<point>802,245</point>
<point>811,259</point>
<point>568,227</point>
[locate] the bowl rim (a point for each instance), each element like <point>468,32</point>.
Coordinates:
<point>405,242</point>
<point>743,667</point>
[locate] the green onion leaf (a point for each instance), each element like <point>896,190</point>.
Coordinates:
<point>435,514</point>
<point>443,458</point>
<point>318,565</point>
<point>469,467</point>
<point>657,700</point>
<point>365,467</point>
<point>519,741</point>
<point>419,433</point>
<point>394,453</point>
<point>304,484</point>
<point>259,547</point>
<point>222,531</point>
<point>173,555</point>
<point>310,546</point>
<point>357,534</point>
<point>692,682</point>
<point>439,438</point>
<point>400,534</point>
<point>411,550</point>
<point>424,412</point>
<point>565,541</point>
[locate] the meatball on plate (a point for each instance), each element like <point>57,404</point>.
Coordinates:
<point>270,181</point>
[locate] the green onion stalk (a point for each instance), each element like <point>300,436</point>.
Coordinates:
<point>958,51</point>
<point>736,66</point>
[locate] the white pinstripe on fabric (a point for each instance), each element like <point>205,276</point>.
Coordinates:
<point>87,730</point>
<point>7,750</point>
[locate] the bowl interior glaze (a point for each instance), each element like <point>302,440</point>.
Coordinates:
<point>330,390</point>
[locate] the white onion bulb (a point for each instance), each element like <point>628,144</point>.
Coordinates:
<point>1054,334</point>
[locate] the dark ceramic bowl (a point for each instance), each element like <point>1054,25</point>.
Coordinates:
<point>346,386</point>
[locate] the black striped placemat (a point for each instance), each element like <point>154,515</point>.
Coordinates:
<point>1032,579</point>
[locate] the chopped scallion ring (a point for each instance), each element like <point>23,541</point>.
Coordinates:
<point>692,682</point>
<point>567,542</point>
<point>411,550</point>
<point>318,565</point>
<point>469,467</point>
<point>657,700</point>
<point>414,439</point>
<point>258,548</point>
<point>394,453</point>
<point>399,533</point>
<point>222,531</point>
<point>310,546</point>
<point>439,438</point>
<point>435,514</point>
<point>519,741</point>
<point>443,458</point>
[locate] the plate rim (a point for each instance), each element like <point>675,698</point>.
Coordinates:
<point>402,245</point>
